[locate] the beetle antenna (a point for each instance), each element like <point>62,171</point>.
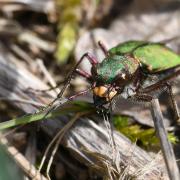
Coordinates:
<point>103,48</point>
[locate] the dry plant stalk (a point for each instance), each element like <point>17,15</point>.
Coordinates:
<point>166,146</point>
<point>22,162</point>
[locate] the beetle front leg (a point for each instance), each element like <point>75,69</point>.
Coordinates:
<point>92,60</point>
<point>79,94</point>
<point>83,74</point>
<point>54,104</point>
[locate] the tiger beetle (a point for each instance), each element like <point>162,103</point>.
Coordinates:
<point>133,69</point>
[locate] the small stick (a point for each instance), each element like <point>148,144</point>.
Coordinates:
<point>22,54</point>
<point>166,146</point>
<point>58,138</point>
<point>22,162</point>
<point>61,135</point>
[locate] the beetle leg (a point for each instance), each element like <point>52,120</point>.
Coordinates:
<point>161,84</point>
<point>83,73</point>
<point>92,60</point>
<point>142,97</point>
<point>170,92</point>
<point>53,104</point>
<point>79,94</point>
<point>103,48</point>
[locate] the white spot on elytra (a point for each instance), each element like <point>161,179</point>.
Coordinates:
<point>123,76</point>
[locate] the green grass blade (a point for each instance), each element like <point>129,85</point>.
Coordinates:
<point>70,108</point>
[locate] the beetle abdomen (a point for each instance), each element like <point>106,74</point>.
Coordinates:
<point>126,47</point>
<point>156,57</point>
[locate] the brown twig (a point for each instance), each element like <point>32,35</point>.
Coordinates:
<point>22,162</point>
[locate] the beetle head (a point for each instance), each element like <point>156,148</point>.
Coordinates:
<point>103,95</point>
<point>109,78</point>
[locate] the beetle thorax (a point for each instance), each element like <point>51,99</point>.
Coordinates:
<point>115,69</point>
<point>112,75</point>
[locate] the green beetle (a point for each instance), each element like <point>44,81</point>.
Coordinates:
<point>132,69</point>
<point>128,66</point>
